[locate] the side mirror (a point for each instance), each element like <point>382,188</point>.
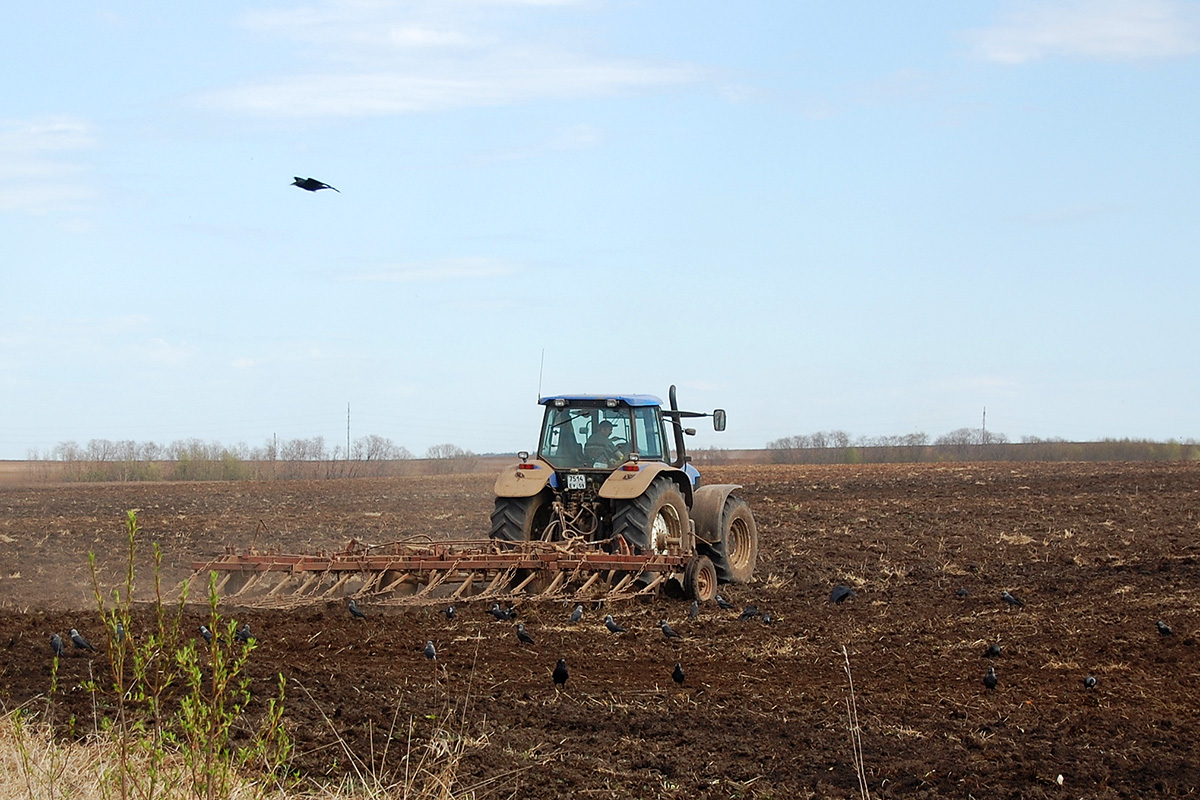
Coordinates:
<point>719,419</point>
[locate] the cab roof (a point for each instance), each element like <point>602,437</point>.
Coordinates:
<point>627,399</point>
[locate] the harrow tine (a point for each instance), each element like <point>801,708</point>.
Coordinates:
<point>337,585</point>
<point>309,581</point>
<point>391,586</point>
<point>465,586</point>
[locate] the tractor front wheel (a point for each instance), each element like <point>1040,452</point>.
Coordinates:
<point>521,519</point>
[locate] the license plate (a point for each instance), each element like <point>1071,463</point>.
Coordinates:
<point>576,481</point>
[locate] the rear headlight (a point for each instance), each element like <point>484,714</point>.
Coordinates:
<point>527,466</point>
<point>630,467</point>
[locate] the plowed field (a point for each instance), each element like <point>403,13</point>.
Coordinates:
<point>1097,553</point>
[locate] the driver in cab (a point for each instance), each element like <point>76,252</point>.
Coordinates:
<point>600,449</point>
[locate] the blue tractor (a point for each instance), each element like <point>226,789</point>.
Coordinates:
<point>612,471</point>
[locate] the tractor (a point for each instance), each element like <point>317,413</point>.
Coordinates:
<point>612,471</point>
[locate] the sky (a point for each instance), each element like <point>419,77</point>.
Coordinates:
<point>880,218</point>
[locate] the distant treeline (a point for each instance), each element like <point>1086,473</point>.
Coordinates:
<point>195,460</point>
<point>967,444</point>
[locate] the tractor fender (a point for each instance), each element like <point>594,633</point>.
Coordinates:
<point>627,484</point>
<point>517,482</point>
<point>706,510</point>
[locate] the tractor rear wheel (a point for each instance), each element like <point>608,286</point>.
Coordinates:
<point>736,554</point>
<point>655,520</point>
<point>520,519</point>
<point>700,579</point>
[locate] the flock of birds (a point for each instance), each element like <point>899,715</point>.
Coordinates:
<point>561,673</point>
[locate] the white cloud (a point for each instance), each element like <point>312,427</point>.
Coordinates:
<point>450,269</point>
<point>1094,29</point>
<point>375,58</point>
<point>38,170</point>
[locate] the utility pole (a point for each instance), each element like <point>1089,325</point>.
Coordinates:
<point>347,431</point>
<point>984,439</point>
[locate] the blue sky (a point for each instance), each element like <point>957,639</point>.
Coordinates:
<point>880,218</point>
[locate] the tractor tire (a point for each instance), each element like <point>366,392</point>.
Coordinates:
<point>648,521</point>
<point>700,579</point>
<point>736,555</point>
<point>520,519</point>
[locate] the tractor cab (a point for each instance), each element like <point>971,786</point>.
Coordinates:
<point>593,432</point>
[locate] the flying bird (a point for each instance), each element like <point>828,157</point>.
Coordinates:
<point>667,630</point>
<point>430,651</point>
<point>992,651</point>
<point>694,609</point>
<point>80,642</point>
<point>723,603</point>
<point>450,612</point>
<point>523,635</point>
<point>612,626</point>
<point>312,184</point>
<point>1163,628</point>
<point>56,644</point>
<point>560,673</point>
<point>989,680</point>
<point>1012,601</point>
<point>206,633</point>
<point>677,675</point>
<point>1089,682</point>
<point>355,611</point>
<point>750,612</point>
<point>841,592</point>
<point>577,614</point>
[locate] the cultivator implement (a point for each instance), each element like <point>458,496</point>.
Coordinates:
<point>436,572</point>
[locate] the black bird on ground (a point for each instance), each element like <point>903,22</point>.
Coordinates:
<point>961,593</point>
<point>667,630</point>
<point>577,614</point>
<point>243,633</point>
<point>312,184</point>
<point>723,603</point>
<point>1012,601</point>
<point>120,632</point>
<point>750,612</point>
<point>694,609</point>
<point>612,626</point>
<point>523,635</point>
<point>430,651</point>
<point>992,651</point>
<point>450,612</point>
<point>677,675</point>
<point>989,680</point>
<point>768,619</point>
<point>560,673</point>
<point>1089,682</point>
<point>355,611</point>
<point>502,615</point>
<point>206,633</point>
<point>56,644</point>
<point>80,642</point>
<point>1163,628</point>
<point>841,592</point>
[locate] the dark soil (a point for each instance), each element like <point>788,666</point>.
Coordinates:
<point>1097,552</point>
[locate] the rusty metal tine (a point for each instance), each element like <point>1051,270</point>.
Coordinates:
<point>520,587</point>
<point>277,588</point>
<point>403,577</point>
<point>309,581</point>
<point>221,583</point>
<point>621,584</point>
<point>338,585</point>
<point>253,579</point>
<point>595,576</point>
<point>555,584</point>
<point>468,581</point>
